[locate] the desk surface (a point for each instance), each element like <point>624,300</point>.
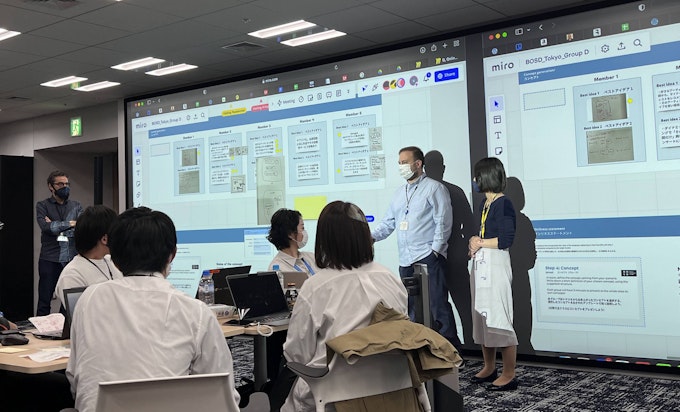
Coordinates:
<point>17,363</point>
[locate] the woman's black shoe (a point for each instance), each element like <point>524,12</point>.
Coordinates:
<point>510,386</point>
<point>489,378</point>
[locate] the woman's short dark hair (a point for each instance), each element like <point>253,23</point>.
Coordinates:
<point>92,225</point>
<point>343,238</point>
<point>283,223</point>
<point>142,240</point>
<point>490,175</point>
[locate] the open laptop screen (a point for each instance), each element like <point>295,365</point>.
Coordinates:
<point>71,296</point>
<point>261,293</point>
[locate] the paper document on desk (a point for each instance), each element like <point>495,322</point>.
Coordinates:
<point>49,354</point>
<point>52,323</point>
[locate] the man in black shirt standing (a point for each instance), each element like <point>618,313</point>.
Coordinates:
<point>56,217</point>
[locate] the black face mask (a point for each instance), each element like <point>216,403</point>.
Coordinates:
<point>63,193</point>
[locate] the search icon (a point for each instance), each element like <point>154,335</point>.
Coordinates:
<point>637,42</point>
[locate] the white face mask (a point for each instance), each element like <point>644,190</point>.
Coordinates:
<point>305,237</point>
<point>405,171</point>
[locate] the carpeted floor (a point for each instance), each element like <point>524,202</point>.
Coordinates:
<point>542,389</point>
<point>550,389</point>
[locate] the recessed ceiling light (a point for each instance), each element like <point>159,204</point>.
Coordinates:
<point>96,86</point>
<point>282,29</point>
<point>324,35</point>
<point>171,69</point>
<point>64,81</point>
<point>6,34</point>
<point>136,64</point>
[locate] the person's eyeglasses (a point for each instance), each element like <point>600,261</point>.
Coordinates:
<point>60,184</point>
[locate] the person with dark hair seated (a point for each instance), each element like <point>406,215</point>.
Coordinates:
<point>140,326</point>
<point>341,297</point>
<point>287,233</point>
<point>93,263</point>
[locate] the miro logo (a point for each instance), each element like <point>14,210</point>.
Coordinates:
<point>501,66</point>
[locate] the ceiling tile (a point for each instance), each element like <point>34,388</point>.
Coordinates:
<point>186,9</point>
<point>412,10</point>
<point>465,18</point>
<point>305,9</point>
<point>388,34</point>
<point>79,32</point>
<point>357,19</point>
<point>123,16</point>
<point>162,40</point>
<point>17,59</point>
<point>22,20</point>
<point>41,46</point>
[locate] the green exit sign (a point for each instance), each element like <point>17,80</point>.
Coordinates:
<point>76,126</point>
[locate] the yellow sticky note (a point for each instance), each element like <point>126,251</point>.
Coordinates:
<point>310,206</point>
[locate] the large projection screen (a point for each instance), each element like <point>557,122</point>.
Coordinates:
<point>220,160</point>
<point>584,111</point>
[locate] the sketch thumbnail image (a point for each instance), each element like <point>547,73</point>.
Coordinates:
<point>189,157</point>
<point>189,182</point>
<point>610,145</point>
<point>271,187</point>
<point>611,107</point>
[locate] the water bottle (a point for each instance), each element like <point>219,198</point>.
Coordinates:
<point>206,288</point>
<point>277,269</point>
<point>291,295</point>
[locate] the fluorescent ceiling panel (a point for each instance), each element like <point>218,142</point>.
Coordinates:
<point>312,38</point>
<point>171,69</point>
<point>282,29</point>
<point>64,81</point>
<point>136,64</point>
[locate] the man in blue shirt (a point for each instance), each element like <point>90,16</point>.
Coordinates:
<point>420,212</point>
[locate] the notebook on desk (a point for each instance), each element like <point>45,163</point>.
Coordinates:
<point>71,296</point>
<point>262,295</point>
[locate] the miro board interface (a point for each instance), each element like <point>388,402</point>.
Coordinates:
<point>583,109</point>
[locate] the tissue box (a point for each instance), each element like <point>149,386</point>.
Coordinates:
<point>222,310</point>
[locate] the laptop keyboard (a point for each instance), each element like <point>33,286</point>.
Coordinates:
<point>275,320</point>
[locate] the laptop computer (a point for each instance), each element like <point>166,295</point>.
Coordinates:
<point>210,392</point>
<point>262,295</point>
<point>71,296</point>
<point>222,294</point>
<point>298,278</point>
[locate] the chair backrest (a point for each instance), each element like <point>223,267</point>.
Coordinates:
<point>210,392</point>
<point>372,375</point>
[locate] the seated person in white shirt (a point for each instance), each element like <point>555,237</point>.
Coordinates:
<point>287,233</point>
<point>92,264</point>
<point>140,326</point>
<point>341,297</point>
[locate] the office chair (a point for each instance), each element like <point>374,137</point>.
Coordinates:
<point>368,376</point>
<point>210,392</point>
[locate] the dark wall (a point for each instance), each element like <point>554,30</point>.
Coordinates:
<point>16,237</point>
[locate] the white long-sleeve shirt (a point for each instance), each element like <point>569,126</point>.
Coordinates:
<point>82,273</point>
<point>141,327</point>
<point>333,303</point>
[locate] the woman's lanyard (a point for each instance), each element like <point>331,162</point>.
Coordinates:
<point>309,268</point>
<point>110,277</point>
<point>485,213</point>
